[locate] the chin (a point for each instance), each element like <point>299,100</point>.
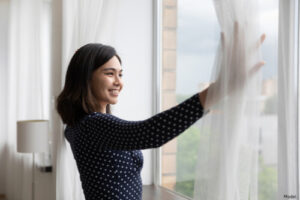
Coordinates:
<point>113,102</point>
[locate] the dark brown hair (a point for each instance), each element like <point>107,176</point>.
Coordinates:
<point>76,98</point>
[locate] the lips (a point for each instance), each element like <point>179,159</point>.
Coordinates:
<point>114,92</point>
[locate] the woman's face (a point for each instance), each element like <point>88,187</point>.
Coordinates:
<point>106,83</point>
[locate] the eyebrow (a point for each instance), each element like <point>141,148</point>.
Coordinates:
<point>106,69</point>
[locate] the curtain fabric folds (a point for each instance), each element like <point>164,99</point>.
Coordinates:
<point>84,22</point>
<point>27,57</point>
<point>228,158</point>
<point>288,87</point>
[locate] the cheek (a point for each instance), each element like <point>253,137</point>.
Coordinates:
<point>103,86</point>
<point>98,87</point>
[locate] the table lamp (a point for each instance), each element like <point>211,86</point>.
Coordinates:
<point>32,137</point>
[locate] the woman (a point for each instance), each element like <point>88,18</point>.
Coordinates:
<point>105,147</point>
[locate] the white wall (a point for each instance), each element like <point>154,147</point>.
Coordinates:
<point>134,44</point>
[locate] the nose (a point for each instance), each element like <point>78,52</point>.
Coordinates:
<point>117,80</point>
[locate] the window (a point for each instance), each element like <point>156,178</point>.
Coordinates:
<point>190,35</point>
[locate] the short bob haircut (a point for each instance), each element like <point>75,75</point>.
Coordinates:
<point>76,99</point>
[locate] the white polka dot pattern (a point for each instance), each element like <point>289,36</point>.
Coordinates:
<point>107,148</point>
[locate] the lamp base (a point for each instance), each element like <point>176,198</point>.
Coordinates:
<point>46,169</point>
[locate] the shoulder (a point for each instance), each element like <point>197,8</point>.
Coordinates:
<point>85,120</point>
<point>87,124</point>
<point>97,117</point>
<point>96,121</point>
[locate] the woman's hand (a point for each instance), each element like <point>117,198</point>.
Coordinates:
<point>235,59</point>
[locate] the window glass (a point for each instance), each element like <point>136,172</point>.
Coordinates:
<point>190,39</point>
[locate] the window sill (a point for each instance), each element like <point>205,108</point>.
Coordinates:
<point>152,192</point>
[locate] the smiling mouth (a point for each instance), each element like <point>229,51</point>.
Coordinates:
<point>114,92</point>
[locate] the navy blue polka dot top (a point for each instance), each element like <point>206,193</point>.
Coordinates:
<point>107,148</point>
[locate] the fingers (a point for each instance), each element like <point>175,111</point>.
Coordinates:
<point>256,67</point>
<point>235,35</point>
<point>223,40</point>
<point>262,38</point>
<point>236,29</point>
<point>257,44</point>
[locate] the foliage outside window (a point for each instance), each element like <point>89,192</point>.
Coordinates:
<point>190,35</point>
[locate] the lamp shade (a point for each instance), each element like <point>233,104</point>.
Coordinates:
<point>32,136</point>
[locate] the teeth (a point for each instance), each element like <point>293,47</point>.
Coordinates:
<point>115,92</point>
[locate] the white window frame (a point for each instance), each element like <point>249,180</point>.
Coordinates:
<point>289,16</point>
<point>157,63</point>
<point>157,66</point>
<point>298,96</point>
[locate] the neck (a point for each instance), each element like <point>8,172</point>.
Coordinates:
<point>103,109</point>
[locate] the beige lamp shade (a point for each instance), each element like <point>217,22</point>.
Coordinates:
<point>32,136</point>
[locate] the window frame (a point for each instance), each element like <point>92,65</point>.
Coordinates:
<point>298,95</point>
<point>291,12</point>
<point>157,63</point>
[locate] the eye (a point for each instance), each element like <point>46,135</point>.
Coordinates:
<point>121,75</point>
<point>110,73</point>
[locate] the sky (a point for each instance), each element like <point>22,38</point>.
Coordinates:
<point>198,35</point>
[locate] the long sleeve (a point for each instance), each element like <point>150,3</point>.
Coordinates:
<point>108,132</point>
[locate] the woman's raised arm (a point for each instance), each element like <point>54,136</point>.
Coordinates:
<point>105,131</point>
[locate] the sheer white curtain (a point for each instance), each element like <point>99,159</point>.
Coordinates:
<point>26,87</point>
<point>4,16</point>
<point>288,112</point>
<point>84,22</point>
<point>228,157</point>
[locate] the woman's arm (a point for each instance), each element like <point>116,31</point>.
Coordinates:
<point>212,101</point>
<point>105,131</point>
<point>202,98</point>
